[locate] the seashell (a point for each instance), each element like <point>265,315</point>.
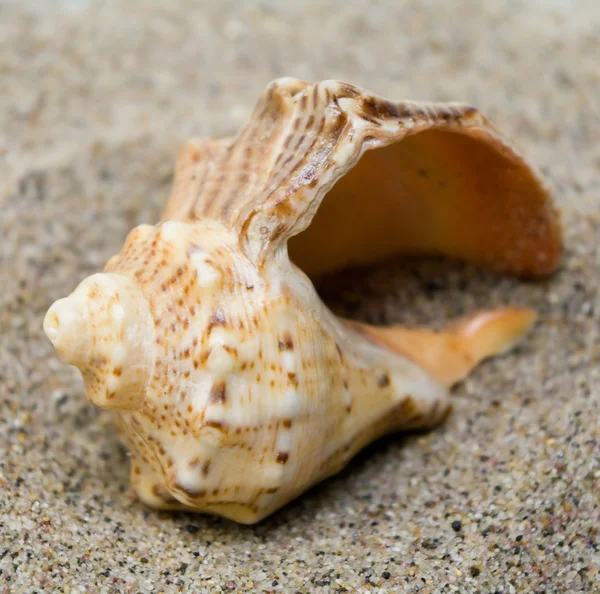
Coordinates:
<point>233,385</point>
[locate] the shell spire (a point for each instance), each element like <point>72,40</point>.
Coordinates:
<point>104,328</point>
<point>234,386</point>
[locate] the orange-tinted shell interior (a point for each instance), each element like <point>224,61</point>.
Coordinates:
<point>461,194</point>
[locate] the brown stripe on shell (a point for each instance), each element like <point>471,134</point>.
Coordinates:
<point>267,110</point>
<point>261,129</point>
<point>272,171</point>
<point>204,203</point>
<point>371,120</point>
<point>213,424</point>
<point>306,170</point>
<point>290,166</point>
<point>345,90</point>
<point>304,101</point>
<point>277,174</point>
<point>380,108</point>
<point>201,183</point>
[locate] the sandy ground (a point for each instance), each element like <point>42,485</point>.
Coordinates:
<point>95,100</point>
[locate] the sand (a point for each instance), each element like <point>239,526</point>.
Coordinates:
<point>95,100</point>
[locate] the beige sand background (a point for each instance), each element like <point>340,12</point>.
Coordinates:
<point>95,99</point>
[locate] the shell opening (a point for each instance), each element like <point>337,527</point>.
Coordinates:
<point>465,195</point>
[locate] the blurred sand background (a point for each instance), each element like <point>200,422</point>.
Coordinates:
<point>96,97</point>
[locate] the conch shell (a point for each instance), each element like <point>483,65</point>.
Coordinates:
<point>235,388</point>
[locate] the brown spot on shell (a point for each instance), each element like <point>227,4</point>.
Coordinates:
<point>215,425</point>
<point>206,467</point>
<point>284,209</point>
<point>218,393</point>
<point>282,457</point>
<point>383,381</point>
<point>286,343</point>
<point>407,412</point>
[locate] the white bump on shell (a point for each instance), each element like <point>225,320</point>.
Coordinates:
<point>207,275</point>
